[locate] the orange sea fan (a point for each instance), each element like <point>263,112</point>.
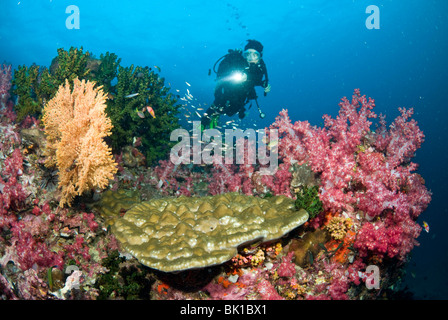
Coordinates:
<point>76,125</point>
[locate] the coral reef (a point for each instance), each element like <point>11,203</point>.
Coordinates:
<point>75,126</point>
<point>35,85</point>
<point>362,181</point>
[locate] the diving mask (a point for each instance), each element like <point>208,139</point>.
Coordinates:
<point>251,55</point>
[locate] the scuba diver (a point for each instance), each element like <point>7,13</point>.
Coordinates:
<point>238,74</point>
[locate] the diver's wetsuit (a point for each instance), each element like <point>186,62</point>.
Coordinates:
<point>231,96</point>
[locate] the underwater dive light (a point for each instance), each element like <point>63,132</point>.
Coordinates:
<point>237,77</point>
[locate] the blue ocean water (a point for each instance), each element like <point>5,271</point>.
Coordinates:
<point>316,52</point>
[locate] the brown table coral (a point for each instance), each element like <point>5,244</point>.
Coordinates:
<point>174,234</point>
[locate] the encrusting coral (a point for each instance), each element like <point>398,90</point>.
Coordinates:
<point>174,234</point>
<point>338,227</point>
<point>75,125</point>
<point>307,248</point>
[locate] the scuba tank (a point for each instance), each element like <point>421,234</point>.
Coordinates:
<point>232,61</point>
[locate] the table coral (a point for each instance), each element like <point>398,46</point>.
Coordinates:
<point>112,204</point>
<point>173,234</point>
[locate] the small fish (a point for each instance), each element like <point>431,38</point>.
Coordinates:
<point>272,144</point>
<point>426,226</point>
<point>188,84</point>
<point>132,95</point>
<point>198,114</point>
<point>110,96</point>
<point>151,111</point>
<point>140,113</point>
<point>158,68</point>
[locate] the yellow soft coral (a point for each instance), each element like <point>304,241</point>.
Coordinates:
<point>76,125</point>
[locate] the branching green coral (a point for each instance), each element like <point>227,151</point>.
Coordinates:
<point>26,86</point>
<point>154,132</point>
<point>308,199</point>
<point>69,65</point>
<point>120,281</point>
<point>36,85</point>
<point>107,70</point>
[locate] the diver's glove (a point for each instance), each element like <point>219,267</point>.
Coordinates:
<point>267,89</point>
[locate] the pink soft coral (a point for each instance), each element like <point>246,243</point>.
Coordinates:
<point>267,290</point>
<point>12,193</point>
<point>365,171</point>
<point>5,83</point>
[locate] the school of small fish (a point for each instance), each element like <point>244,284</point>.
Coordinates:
<point>193,110</point>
